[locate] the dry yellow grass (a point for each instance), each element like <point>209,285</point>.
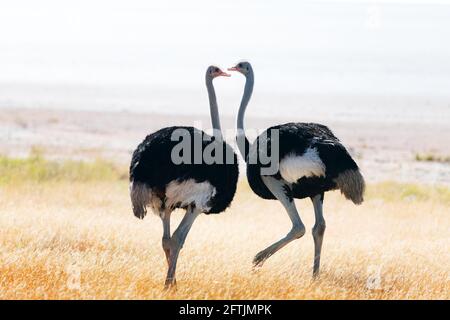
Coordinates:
<point>70,240</point>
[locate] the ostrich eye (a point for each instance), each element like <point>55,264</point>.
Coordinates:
<point>217,70</point>
<point>240,65</point>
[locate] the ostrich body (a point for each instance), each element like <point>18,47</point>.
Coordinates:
<point>312,161</point>
<point>161,184</point>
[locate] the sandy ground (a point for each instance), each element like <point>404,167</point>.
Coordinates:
<point>385,150</point>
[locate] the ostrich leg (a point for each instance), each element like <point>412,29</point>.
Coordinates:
<point>177,241</point>
<point>282,192</point>
<point>165,217</point>
<point>318,231</point>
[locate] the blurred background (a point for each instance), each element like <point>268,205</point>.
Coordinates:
<point>380,69</point>
<point>54,53</point>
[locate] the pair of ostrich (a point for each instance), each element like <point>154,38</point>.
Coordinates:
<point>311,161</point>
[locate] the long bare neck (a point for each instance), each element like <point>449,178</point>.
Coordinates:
<point>242,141</point>
<point>213,108</point>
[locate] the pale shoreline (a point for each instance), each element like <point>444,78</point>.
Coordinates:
<point>384,150</point>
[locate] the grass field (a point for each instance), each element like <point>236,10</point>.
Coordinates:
<point>67,232</point>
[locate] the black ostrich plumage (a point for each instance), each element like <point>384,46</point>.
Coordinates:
<point>296,138</point>
<point>152,165</point>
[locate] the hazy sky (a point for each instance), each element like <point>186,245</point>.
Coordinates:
<point>338,46</point>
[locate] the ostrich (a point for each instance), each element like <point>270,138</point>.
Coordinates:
<point>311,161</point>
<point>162,184</point>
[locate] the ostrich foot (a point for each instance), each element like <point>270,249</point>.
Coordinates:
<point>261,257</point>
<point>170,285</point>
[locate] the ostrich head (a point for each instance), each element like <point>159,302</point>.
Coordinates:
<point>243,67</point>
<point>214,72</point>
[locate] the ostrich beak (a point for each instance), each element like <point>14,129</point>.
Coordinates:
<point>224,74</point>
<point>233,69</point>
